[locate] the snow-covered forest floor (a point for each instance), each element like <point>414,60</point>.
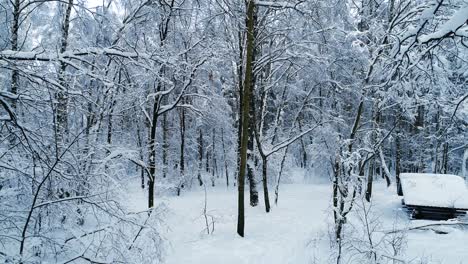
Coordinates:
<point>297,230</point>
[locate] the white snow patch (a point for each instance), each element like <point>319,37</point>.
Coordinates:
<point>296,231</point>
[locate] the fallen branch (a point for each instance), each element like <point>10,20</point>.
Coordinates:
<point>426,226</point>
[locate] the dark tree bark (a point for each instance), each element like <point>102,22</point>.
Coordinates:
<point>165,145</point>
<point>224,157</point>
<point>240,71</point>
<point>266,197</point>
<point>251,158</point>
<point>245,113</point>
<point>200,156</point>
<point>207,160</point>
<point>182,151</point>
<point>304,154</point>
<point>163,31</point>
<point>214,169</point>
<point>140,144</point>
<point>445,158</point>
<point>152,154</point>
<point>398,159</point>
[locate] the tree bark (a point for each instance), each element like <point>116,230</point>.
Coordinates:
<point>182,151</point>
<point>200,156</point>
<point>398,162</point>
<point>214,167</point>
<point>240,70</point>
<point>14,47</point>
<point>62,95</point>
<point>224,157</point>
<point>250,159</point>
<point>245,114</point>
<point>152,154</point>
<point>165,145</point>
<point>265,184</point>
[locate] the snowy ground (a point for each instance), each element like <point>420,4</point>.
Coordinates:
<point>296,231</point>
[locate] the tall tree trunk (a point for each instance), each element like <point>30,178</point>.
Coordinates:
<point>62,96</point>
<point>445,158</point>
<point>240,70</point>
<point>250,159</point>
<point>214,169</point>
<point>140,146</point>
<point>207,160</point>
<point>182,151</point>
<point>213,158</point>
<point>370,180</point>
<point>224,157</point>
<point>304,154</point>
<point>371,171</point>
<point>152,154</point>
<point>336,217</point>
<point>165,145</point>
<point>398,160</point>
<point>14,47</point>
<point>245,114</point>
<point>200,156</point>
<point>163,31</point>
<point>110,120</point>
<point>265,183</point>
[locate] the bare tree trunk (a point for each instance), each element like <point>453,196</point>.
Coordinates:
<point>304,155</point>
<point>371,171</point>
<point>240,70</point>
<point>110,124</point>
<point>111,113</point>
<point>152,154</point>
<point>398,160</point>
<point>214,169</point>
<point>265,183</point>
<point>62,95</point>
<point>140,145</point>
<point>207,160</point>
<point>163,31</point>
<point>182,152</point>
<point>280,173</point>
<point>14,47</point>
<point>445,158</point>
<point>224,157</point>
<point>370,180</point>
<point>165,145</point>
<point>245,113</point>
<point>250,160</point>
<point>200,156</point>
<point>264,157</point>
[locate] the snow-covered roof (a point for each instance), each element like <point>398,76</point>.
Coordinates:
<point>436,190</point>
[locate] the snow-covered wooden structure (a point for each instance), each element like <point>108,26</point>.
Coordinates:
<point>434,196</point>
